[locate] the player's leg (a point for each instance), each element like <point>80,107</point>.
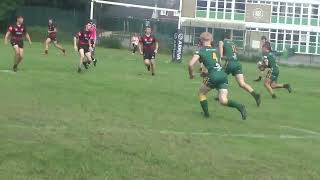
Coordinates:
<point>275,85</point>
<point>88,57</point>
<point>46,45</point>
<point>242,83</point>
<point>203,91</point>
<point>267,84</point>
<point>223,99</point>
<point>153,66</point>
<point>58,46</point>
<point>147,63</point>
<point>82,56</point>
<point>16,50</point>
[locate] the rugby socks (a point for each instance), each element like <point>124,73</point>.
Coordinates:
<point>241,108</point>
<point>233,104</point>
<point>204,105</point>
<point>288,87</point>
<point>46,52</point>
<point>256,97</point>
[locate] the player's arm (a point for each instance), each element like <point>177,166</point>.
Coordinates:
<point>28,38</point>
<point>220,51</point>
<point>6,37</point>
<point>192,62</point>
<point>157,47</point>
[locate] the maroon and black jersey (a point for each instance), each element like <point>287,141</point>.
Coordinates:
<point>52,27</point>
<point>17,32</point>
<point>83,37</point>
<point>149,43</point>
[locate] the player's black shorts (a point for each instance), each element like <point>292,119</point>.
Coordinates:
<point>149,55</point>
<point>85,47</point>
<point>19,43</point>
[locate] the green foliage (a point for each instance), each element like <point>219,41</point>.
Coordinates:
<point>111,42</point>
<point>6,9</point>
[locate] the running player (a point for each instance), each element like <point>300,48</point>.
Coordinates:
<point>17,32</point>
<point>148,47</point>
<point>52,37</point>
<point>272,77</point>
<point>135,42</point>
<point>263,73</point>
<point>228,51</point>
<point>217,78</point>
<point>83,46</point>
<point>93,40</point>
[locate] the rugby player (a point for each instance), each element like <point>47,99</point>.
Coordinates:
<point>93,40</point>
<point>148,47</point>
<point>217,78</point>
<point>269,61</point>
<point>262,73</point>
<point>52,37</point>
<point>17,32</point>
<point>228,51</point>
<point>83,46</point>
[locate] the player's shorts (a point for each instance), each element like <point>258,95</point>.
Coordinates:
<point>52,38</point>
<point>233,67</point>
<point>217,80</point>
<point>85,47</point>
<point>273,75</point>
<point>17,42</point>
<point>149,55</point>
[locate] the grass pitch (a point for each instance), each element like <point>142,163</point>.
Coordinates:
<point>115,121</point>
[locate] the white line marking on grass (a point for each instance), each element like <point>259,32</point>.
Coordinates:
<point>257,136</point>
<point>7,71</point>
<point>207,134</point>
<point>302,130</point>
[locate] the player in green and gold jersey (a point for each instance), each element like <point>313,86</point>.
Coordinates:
<point>271,82</point>
<point>228,51</point>
<point>217,78</point>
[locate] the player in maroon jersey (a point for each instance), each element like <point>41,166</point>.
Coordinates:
<point>17,32</point>
<point>83,46</point>
<point>148,47</point>
<point>52,37</point>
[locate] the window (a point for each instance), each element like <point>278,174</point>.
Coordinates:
<point>176,13</point>
<point>296,37</point>
<point>202,4</point>
<point>305,10</point>
<point>282,10</point>
<point>238,35</point>
<point>303,38</point>
<point>273,35</point>
<point>213,5</point>
<point>275,8</point>
<point>315,11</point>
<point>290,10</point>
<point>221,5</point>
<point>228,5</point>
<point>240,6</point>
<point>298,10</point>
<point>288,37</point>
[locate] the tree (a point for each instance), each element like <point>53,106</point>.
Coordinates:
<point>7,6</point>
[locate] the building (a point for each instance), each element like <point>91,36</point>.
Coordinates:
<point>287,23</point>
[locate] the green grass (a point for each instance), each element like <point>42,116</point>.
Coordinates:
<point>117,122</point>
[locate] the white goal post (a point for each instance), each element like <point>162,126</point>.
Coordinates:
<point>136,6</point>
